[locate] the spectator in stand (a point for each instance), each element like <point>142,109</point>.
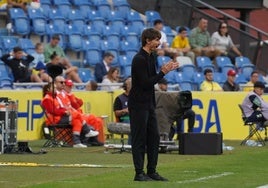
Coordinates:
<point>200,41</point>
<point>38,64</point>
<point>222,41</point>
<point>91,85</point>
<point>181,44</point>
<point>208,84</point>
<point>254,77</point>
<point>69,72</point>
<point>91,119</point>
<point>121,105</point>
<point>53,47</point>
<point>111,78</point>
<point>19,63</point>
<point>163,48</point>
<point>230,84</point>
<point>102,68</point>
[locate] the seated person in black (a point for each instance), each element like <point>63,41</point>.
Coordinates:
<point>19,62</point>
<point>121,105</point>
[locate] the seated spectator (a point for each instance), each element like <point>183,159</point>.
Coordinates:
<point>69,72</point>
<point>181,44</point>
<point>208,84</point>
<point>230,84</point>
<point>200,41</point>
<point>222,41</point>
<point>91,85</point>
<point>38,64</point>
<point>111,78</point>
<point>102,68</point>
<point>57,113</point>
<point>255,108</point>
<point>121,105</point>
<point>163,48</point>
<point>54,48</point>
<point>162,85</point>
<point>19,62</point>
<point>91,119</point>
<point>254,77</point>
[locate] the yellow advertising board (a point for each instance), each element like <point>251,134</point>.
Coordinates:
<point>215,111</point>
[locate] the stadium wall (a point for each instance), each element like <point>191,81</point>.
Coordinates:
<point>215,111</point>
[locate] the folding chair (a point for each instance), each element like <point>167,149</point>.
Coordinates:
<point>254,129</point>
<point>57,135</point>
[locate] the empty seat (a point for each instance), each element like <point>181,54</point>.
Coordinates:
<point>85,74</point>
<point>20,21</point>
<point>151,16</point>
<point>8,43</point>
<point>92,56</point>
<point>38,21</point>
<point>203,63</point>
<point>161,60</point>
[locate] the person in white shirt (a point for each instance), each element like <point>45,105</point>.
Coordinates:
<point>111,78</point>
<point>222,41</point>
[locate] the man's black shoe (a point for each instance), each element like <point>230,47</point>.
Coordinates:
<point>142,177</point>
<point>157,177</point>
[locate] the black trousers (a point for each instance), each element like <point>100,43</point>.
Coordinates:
<point>145,138</point>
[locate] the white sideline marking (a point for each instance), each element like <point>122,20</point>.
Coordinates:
<point>207,177</point>
<point>263,186</point>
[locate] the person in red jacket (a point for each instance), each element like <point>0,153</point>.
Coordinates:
<point>77,103</point>
<point>59,114</point>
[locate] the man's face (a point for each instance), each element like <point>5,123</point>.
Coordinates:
<point>153,44</point>
<point>54,42</point>
<point>258,90</point>
<point>162,87</point>
<point>203,24</point>
<point>109,59</point>
<point>231,79</point>
<point>254,77</point>
<point>209,76</point>
<point>18,54</point>
<point>59,83</point>
<point>159,26</point>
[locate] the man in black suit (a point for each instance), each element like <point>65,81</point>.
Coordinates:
<point>102,68</point>
<point>141,104</point>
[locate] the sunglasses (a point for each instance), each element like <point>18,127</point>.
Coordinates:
<point>223,26</point>
<point>62,82</point>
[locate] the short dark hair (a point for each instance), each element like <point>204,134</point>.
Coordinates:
<point>149,34</point>
<point>207,71</point>
<point>56,36</point>
<point>17,49</point>
<point>108,54</point>
<point>163,81</point>
<point>158,21</point>
<point>181,29</point>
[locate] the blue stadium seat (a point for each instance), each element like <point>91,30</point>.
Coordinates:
<point>186,85</point>
<point>114,39</point>
<point>92,56</point>
<point>64,6</point>
<point>134,18</point>
<point>38,22</point>
<point>203,63</point>
<point>20,21</point>
<point>26,44</point>
<point>99,24</point>
<point>57,19</point>
<point>188,71</point>
<point>240,79</point>
<point>224,63</point>
<point>8,43</point>
<point>133,39</point>
<point>88,44</point>
<point>126,46</point>
<point>6,82</point>
<point>85,74</point>
<point>84,6</point>
<point>240,61</point>
<point>123,7</point>
<point>125,60</point>
<point>151,16</point>
<point>76,18</point>
<point>45,9</point>
<point>167,30</point>
<point>184,60</point>
<point>171,77</point>
<point>74,38</point>
<point>104,9</point>
<point>246,71</point>
<point>219,77</point>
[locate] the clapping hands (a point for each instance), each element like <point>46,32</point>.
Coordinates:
<point>171,65</point>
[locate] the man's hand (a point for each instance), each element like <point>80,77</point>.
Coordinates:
<point>171,65</point>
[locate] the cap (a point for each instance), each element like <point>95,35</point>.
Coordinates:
<point>231,72</point>
<point>56,37</point>
<point>259,84</point>
<point>69,83</point>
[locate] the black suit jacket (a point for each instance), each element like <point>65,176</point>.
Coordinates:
<point>100,71</point>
